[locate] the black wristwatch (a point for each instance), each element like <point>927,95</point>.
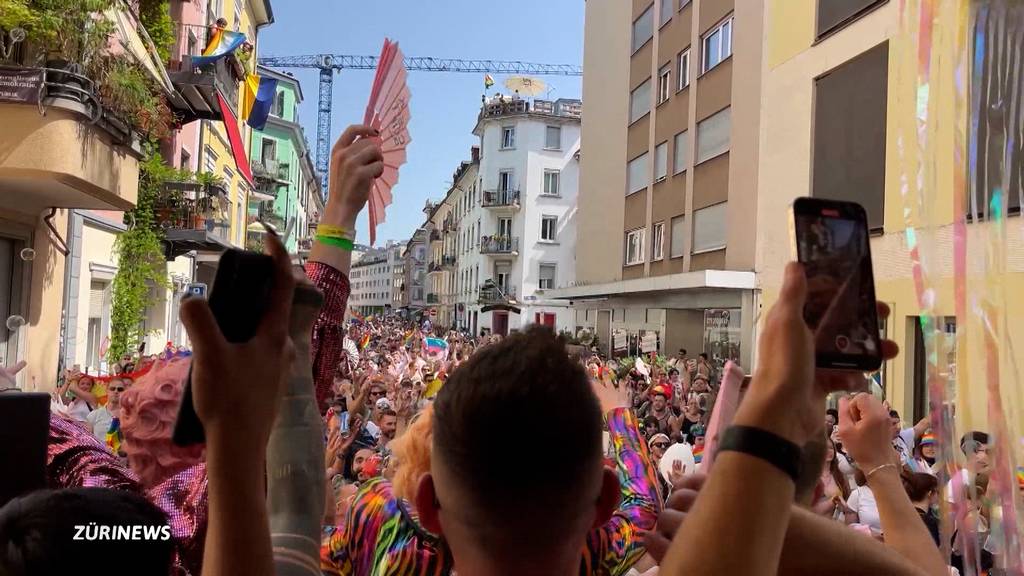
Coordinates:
<point>765,445</point>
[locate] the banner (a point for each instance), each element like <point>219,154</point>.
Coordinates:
<point>649,342</point>
<point>20,85</point>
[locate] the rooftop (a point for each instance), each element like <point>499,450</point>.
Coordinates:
<point>500,105</point>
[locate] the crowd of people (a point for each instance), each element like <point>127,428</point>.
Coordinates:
<point>445,452</point>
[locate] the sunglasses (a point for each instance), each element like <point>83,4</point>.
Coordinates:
<point>116,389</point>
<point>661,445</point>
<point>377,393</point>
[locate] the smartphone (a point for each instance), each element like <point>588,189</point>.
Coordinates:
<point>196,290</point>
<point>831,241</point>
<point>24,436</point>
<point>239,300</point>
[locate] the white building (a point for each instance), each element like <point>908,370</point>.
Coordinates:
<point>373,280</point>
<point>517,228</point>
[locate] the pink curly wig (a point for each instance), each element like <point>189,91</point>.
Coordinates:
<point>148,411</point>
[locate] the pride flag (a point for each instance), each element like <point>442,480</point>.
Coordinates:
<point>262,103</point>
<point>222,43</point>
<point>114,435</point>
<point>698,454</point>
<point>364,342</point>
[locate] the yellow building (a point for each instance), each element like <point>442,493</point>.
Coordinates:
<point>839,121</point>
<point>248,17</point>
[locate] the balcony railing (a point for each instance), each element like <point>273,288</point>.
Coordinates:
<point>433,299</point>
<point>499,198</point>
<point>271,170</point>
<point>508,106</point>
<point>497,294</point>
<point>449,262</point>
<point>435,236</point>
<point>194,217</point>
<point>199,86</point>
<point>499,245</point>
<point>434,267</point>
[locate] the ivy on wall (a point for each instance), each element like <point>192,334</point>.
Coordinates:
<point>140,258</point>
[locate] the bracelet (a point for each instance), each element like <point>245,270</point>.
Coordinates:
<point>767,446</point>
<point>343,243</point>
<point>877,468</point>
<point>334,232</point>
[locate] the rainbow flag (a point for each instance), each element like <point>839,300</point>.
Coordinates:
<point>222,43</point>
<point>1020,477</point>
<point>114,435</point>
<point>364,341</point>
<point>408,338</point>
<point>488,81</point>
<point>698,454</point>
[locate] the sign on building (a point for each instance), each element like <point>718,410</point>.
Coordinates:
<point>20,85</point>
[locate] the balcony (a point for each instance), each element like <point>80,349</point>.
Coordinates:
<point>449,262</point>
<point>433,299</point>
<point>499,245</point>
<point>198,87</point>
<point>434,268</point>
<point>499,106</point>
<point>194,217</point>
<point>271,173</point>
<point>494,294</point>
<point>62,149</point>
<point>500,199</point>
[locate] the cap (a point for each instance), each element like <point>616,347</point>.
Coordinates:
<point>656,437</point>
<point>383,404</point>
<point>928,439</point>
<point>661,389</point>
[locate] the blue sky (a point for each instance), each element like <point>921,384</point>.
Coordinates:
<point>444,105</point>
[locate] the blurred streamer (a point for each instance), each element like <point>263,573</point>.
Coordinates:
<point>959,75</point>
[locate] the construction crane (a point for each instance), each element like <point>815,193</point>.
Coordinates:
<point>328,64</point>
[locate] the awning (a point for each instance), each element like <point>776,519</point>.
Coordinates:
<point>501,308</point>
<point>127,28</point>
<point>260,196</point>
<point>235,138</point>
<point>700,280</point>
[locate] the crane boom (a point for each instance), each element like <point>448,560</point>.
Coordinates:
<point>328,64</point>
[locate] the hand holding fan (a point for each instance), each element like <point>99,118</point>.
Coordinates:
<point>388,112</point>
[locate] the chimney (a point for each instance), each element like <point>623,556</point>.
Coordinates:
<point>475,154</point>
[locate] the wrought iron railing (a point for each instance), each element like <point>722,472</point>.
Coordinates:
<point>499,198</point>
<point>499,245</point>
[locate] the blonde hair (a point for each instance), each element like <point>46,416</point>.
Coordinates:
<point>412,450</point>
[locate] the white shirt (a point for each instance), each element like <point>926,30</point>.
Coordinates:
<point>862,501</point>
<point>904,444</point>
<point>78,409</point>
<point>99,422</point>
<point>373,429</point>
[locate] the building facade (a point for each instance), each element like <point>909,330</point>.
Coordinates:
<point>669,161</point>
<point>414,267</point>
<point>841,70</point>
<point>373,280</point>
<point>284,171</point>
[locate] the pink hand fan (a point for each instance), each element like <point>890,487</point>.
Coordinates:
<point>388,111</point>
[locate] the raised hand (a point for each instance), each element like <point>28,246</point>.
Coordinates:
<point>8,376</point>
<point>865,430</point>
<point>672,516</point>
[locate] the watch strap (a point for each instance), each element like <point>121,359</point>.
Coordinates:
<point>765,445</point>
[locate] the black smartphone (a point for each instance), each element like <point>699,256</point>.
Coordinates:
<point>24,435</point>
<point>239,299</point>
<point>832,243</point>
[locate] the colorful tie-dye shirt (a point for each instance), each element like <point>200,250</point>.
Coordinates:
<point>381,537</point>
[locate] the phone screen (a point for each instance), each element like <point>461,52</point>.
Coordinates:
<point>833,245</point>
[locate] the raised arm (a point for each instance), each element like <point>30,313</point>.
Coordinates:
<point>618,544</point>
<point>863,425</point>
<point>355,162</point>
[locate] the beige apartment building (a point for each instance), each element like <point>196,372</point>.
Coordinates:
<point>669,170</point>
<point>839,91</point>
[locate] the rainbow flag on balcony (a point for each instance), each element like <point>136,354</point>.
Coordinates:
<point>222,43</point>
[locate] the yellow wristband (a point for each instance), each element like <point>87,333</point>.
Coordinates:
<point>329,231</point>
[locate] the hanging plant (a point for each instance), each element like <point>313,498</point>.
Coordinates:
<point>155,16</point>
<point>140,257</point>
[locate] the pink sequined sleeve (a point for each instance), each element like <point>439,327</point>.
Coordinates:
<point>329,329</point>
<point>76,459</point>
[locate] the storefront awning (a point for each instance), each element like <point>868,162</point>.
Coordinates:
<point>501,308</point>
<point>701,280</point>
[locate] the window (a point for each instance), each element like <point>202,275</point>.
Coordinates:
<point>269,152</point>
<point>713,135</point>
<point>852,98</point>
<point>547,277</point>
<point>643,28</point>
<point>635,247</point>
<point>677,246</point>
<point>279,104</point>
<point>640,101</point>
<point>833,14</point>
<point>682,151</point>
<point>664,83</point>
<point>209,160</point>
<point>709,228</point>
<point>658,241</point>
<point>553,138</point>
<point>548,227</point>
<point>683,69</point>
<point>551,182</point>
<point>660,161</point>
<point>505,180</point>
<point>238,16</point>
<point>717,45</point>
<point>508,137</point>
<point>666,11</point>
<point>683,3</point>
<point>186,160</point>
<point>638,173</point>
